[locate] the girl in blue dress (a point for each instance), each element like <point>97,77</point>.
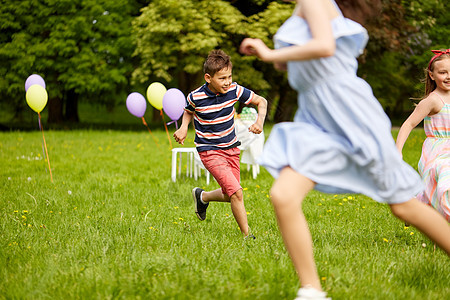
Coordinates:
<point>340,140</point>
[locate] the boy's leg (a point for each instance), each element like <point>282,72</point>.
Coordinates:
<point>215,195</point>
<point>288,193</point>
<point>426,219</point>
<point>238,209</point>
<point>237,206</point>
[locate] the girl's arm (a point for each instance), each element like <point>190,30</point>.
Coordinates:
<point>427,106</point>
<point>322,43</point>
<point>181,133</point>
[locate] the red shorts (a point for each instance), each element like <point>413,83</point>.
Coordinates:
<point>224,167</point>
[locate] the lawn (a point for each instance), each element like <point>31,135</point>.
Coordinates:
<point>113,225</point>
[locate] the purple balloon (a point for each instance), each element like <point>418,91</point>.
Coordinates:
<point>174,102</point>
<point>34,79</point>
<point>136,104</point>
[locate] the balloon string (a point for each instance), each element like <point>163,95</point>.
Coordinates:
<point>40,128</point>
<point>167,131</point>
<point>45,145</point>
<point>154,138</point>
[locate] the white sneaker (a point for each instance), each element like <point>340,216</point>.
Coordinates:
<point>310,293</point>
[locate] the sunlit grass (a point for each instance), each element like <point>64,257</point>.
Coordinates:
<point>113,225</point>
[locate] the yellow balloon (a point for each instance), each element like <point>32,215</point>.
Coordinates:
<point>155,94</point>
<point>36,97</point>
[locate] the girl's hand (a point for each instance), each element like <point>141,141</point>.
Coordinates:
<point>255,47</point>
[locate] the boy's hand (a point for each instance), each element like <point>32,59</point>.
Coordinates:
<point>256,128</point>
<point>180,135</point>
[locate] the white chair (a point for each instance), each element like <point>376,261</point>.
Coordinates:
<point>193,163</point>
<point>251,144</point>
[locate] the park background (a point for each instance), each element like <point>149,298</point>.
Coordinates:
<point>113,225</point>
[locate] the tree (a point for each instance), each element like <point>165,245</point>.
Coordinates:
<point>173,38</point>
<point>80,47</point>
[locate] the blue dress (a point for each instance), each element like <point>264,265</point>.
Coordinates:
<point>341,137</point>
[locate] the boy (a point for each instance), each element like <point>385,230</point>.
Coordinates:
<point>212,107</point>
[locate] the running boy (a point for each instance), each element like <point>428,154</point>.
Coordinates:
<point>212,107</point>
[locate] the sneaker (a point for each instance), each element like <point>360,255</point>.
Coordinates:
<point>200,208</point>
<point>310,293</point>
<point>250,237</point>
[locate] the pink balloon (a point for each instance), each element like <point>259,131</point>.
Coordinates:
<point>34,79</point>
<point>174,102</point>
<point>136,104</point>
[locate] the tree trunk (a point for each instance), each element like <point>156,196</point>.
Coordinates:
<point>55,110</point>
<point>286,106</point>
<point>71,113</point>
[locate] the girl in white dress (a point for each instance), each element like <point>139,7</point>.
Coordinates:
<point>340,140</point>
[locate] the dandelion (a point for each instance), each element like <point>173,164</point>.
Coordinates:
<point>350,198</point>
<point>245,189</point>
<point>340,203</point>
<point>181,219</point>
<point>29,178</point>
<point>411,233</point>
<point>386,240</point>
<point>69,192</point>
<point>257,186</point>
<point>324,278</point>
<point>320,204</point>
<point>175,222</point>
<point>16,211</point>
<point>227,215</point>
<point>248,213</point>
<point>25,211</point>
<point>176,207</point>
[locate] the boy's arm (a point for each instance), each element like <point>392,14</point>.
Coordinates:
<point>261,103</point>
<point>181,133</point>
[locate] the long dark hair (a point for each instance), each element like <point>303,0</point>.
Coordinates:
<point>358,10</point>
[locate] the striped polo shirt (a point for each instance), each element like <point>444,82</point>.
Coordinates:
<point>214,116</point>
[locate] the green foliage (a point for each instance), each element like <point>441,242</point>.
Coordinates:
<point>113,225</point>
<point>83,46</point>
<point>175,36</point>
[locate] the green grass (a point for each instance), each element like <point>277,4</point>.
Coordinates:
<point>113,225</point>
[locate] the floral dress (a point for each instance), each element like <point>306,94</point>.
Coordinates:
<point>434,163</point>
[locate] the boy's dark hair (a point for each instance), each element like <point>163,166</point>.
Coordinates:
<point>216,61</point>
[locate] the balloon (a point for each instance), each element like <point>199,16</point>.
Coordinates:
<point>174,103</point>
<point>36,97</point>
<point>34,79</point>
<point>155,94</point>
<point>136,104</point>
